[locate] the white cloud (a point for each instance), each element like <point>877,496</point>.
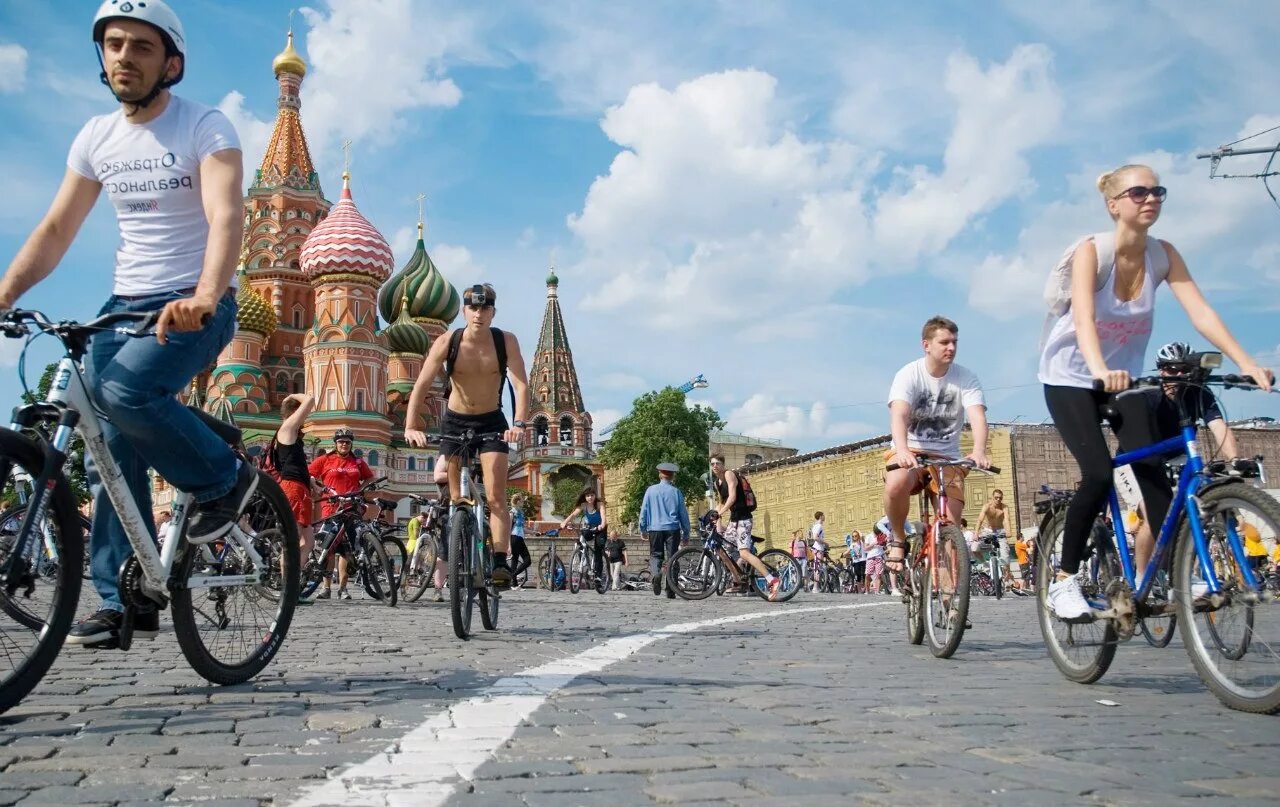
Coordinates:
<point>605,417</point>
<point>254,132</point>
<point>457,264</point>
<point>763,416</point>
<point>373,61</point>
<point>13,68</point>
<point>619,381</point>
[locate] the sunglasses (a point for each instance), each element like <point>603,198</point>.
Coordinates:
<point>1139,193</point>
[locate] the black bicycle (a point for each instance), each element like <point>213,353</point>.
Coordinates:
<point>347,533</point>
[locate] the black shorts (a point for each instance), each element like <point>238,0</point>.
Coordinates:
<point>452,425</point>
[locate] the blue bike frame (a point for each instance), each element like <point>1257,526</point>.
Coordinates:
<point>1190,482</point>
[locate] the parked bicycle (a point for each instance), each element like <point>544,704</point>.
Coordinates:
<point>421,566</point>
<point>559,579</point>
<point>1219,602</point>
<point>232,600</point>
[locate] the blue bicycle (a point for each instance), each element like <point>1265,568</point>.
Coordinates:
<point>1229,621</point>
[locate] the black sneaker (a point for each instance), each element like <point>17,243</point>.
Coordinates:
<point>102,630</point>
<point>213,519</point>
<point>501,572</point>
<point>324,595</point>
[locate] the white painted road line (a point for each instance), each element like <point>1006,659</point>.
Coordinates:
<point>427,764</point>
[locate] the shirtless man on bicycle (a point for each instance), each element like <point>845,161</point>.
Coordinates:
<point>475,402</point>
<point>928,403</point>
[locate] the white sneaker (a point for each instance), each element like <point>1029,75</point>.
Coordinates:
<point>894,592</point>
<point>1065,599</point>
<point>1199,589</point>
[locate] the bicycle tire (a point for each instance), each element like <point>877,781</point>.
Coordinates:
<point>693,573</point>
<point>544,563</point>
<point>575,571</point>
<point>602,581</point>
<point>375,569</point>
<point>1243,674</point>
<point>486,594</point>
<point>1159,630</point>
<point>11,520</point>
<point>461,581</point>
<point>268,520</point>
<point>997,581</point>
<point>25,669</point>
<point>398,554</point>
<point>946,610</point>
<point>980,582</point>
<point>1082,651</point>
<point>915,608</point>
<point>422,569</point>
<point>781,563</point>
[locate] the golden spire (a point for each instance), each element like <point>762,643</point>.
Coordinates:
<point>421,198</point>
<point>289,61</point>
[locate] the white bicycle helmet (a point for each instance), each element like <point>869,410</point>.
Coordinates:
<point>155,13</point>
<point>1174,353</point>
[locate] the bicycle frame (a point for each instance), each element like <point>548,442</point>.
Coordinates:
<point>69,394</point>
<point>1190,481</point>
<point>477,508</point>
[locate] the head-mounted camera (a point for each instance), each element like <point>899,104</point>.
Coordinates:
<point>477,295</point>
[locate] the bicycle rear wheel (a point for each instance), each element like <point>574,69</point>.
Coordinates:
<point>1158,629</point>
<point>38,609</point>
<point>782,565</point>
<point>230,633</point>
<point>1082,651</point>
<point>398,555</point>
<point>462,592</point>
<point>422,569</point>
<point>1234,646</point>
<point>946,584</point>
<point>549,581</point>
<point>693,573</point>
<point>997,579</point>
<point>377,576</point>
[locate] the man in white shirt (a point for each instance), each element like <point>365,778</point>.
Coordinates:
<point>172,170</point>
<point>928,403</point>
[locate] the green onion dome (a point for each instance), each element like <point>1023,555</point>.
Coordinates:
<point>254,313</point>
<point>419,284</point>
<point>406,336</point>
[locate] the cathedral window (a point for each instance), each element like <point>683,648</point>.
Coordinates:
<point>413,464</point>
<point>372,459</point>
<point>359,400</point>
<point>292,214</point>
<point>541,431</point>
<point>566,431</point>
<point>282,383</point>
<point>297,311</point>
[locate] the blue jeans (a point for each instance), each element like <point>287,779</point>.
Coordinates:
<point>135,381</point>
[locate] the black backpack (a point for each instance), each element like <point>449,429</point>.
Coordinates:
<point>500,347</point>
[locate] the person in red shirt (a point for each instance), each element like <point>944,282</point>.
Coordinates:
<point>341,472</point>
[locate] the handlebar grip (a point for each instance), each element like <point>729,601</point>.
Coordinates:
<point>995,469</point>
<point>892,467</point>
<point>1099,385</point>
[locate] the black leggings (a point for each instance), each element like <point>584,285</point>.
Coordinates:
<point>520,554</point>
<point>1077,414</point>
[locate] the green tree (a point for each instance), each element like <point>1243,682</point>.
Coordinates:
<point>564,495</point>
<point>661,427</point>
<point>74,468</point>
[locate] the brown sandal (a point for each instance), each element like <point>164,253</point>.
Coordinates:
<point>902,561</point>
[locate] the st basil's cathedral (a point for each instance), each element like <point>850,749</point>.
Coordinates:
<point>314,279</point>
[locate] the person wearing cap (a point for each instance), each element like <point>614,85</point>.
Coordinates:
<point>338,472</point>
<point>478,362</point>
<point>665,519</point>
<point>173,172</point>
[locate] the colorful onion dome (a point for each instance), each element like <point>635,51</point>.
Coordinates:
<point>428,294</point>
<point>289,61</point>
<point>406,336</point>
<point>346,243</point>
<point>254,312</point>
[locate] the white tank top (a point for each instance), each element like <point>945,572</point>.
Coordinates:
<point>1123,332</point>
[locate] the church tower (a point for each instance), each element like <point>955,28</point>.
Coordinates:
<point>557,442</point>
<point>344,356</point>
<point>285,203</point>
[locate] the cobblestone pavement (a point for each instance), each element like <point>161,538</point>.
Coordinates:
<point>799,708</point>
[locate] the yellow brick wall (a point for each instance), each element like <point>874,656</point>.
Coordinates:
<point>849,490</point>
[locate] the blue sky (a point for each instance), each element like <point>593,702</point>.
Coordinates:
<point>774,194</point>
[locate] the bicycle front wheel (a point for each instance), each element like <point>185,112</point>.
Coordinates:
<point>693,573</point>
<point>398,555</point>
<point>376,573</point>
<point>577,567</point>
<point>462,592</point>
<point>784,567</point>
<point>487,594</point>
<point>915,606</point>
<point>1082,651</point>
<point>229,633</point>
<point>1233,638</point>
<point>946,579</point>
<point>38,608</point>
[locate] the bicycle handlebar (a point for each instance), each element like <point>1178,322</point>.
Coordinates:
<point>1227,380</point>
<point>964,463</point>
<point>14,323</point>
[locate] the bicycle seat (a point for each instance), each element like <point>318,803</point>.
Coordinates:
<point>228,433</point>
<point>385,504</point>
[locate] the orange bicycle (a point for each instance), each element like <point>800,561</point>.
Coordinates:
<point>935,578</point>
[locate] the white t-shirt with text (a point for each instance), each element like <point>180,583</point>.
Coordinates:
<point>937,405</point>
<point>151,173</point>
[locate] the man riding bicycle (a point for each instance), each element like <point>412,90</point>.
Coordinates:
<point>478,361</point>
<point>737,533</point>
<point>173,171</point>
<point>928,402</point>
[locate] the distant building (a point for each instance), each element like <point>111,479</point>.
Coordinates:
<point>740,449</point>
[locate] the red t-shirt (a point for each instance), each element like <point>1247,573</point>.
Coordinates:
<point>343,474</point>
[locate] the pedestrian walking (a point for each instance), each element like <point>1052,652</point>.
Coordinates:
<point>665,520</point>
<point>615,551</point>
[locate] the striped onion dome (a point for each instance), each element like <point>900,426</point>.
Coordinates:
<point>421,287</point>
<point>406,336</point>
<point>346,243</point>
<point>253,312</point>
